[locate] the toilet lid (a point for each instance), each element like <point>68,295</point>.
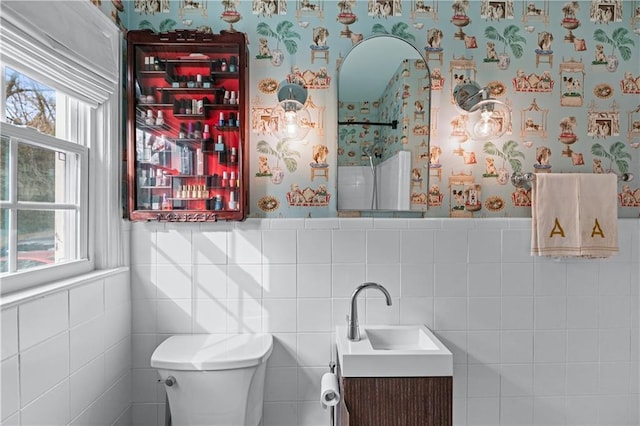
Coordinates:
<point>212,351</point>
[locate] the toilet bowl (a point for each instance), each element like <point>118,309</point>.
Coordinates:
<point>214,380</point>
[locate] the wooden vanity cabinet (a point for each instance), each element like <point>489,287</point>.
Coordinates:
<point>395,401</point>
<point>187,126</point>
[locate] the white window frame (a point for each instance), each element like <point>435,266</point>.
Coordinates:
<point>81,263</point>
<point>35,42</point>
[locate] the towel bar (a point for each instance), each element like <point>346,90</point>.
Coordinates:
<point>519,179</point>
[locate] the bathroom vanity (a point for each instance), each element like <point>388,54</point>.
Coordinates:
<point>186,126</point>
<point>394,376</point>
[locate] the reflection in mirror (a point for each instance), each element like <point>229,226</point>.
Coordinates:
<point>384,98</point>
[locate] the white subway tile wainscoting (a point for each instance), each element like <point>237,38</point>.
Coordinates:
<point>66,355</point>
<point>536,341</point>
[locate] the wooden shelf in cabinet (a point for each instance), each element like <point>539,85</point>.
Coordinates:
<point>187,141</point>
<point>153,105</point>
<point>168,105</point>
<point>194,116</point>
<point>152,127</point>
<point>181,176</point>
<point>154,187</point>
<point>151,73</point>
<point>190,89</point>
<point>194,60</point>
<point>227,128</point>
<point>222,106</point>
<point>224,74</point>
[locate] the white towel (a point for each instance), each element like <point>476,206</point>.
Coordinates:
<point>574,214</point>
<point>598,214</point>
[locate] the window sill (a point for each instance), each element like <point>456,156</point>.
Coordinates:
<point>22,296</point>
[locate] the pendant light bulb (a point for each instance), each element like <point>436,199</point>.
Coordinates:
<point>486,127</point>
<point>290,116</point>
<point>291,122</point>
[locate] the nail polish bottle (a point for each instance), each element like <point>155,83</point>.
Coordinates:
<point>197,132</point>
<point>142,179</point>
<point>223,65</point>
<point>150,98</point>
<point>166,204</point>
<point>199,162</point>
<point>205,134</point>
<point>198,80</point>
<point>234,99</point>
<point>225,180</point>
<point>220,149</point>
<point>182,133</point>
<point>190,130</point>
<point>231,120</point>
<point>187,107</point>
<point>185,161</point>
<point>219,146</point>
<point>233,67</point>
<point>218,203</point>
<point>183,106</point>
<point>221,120</point>
<point>227,97</point>
<point>149,121</point>
<point>233,204</point>
<point>233,157</point>
<point>176,106</point>
<point>146,152</point>
<point>160,119</point>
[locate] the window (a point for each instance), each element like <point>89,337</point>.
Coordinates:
<point>59,141</point>
<point>42,180</point>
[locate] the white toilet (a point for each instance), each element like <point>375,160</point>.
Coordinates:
<point>214,380</point>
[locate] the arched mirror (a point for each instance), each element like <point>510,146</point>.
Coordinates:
<point>384,98</point>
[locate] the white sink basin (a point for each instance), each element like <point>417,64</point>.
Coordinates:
<point>393,351</point>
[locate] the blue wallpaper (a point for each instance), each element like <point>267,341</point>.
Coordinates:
<point>569,70</point>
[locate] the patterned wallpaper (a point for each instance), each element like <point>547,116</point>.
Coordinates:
<point>570,72</point>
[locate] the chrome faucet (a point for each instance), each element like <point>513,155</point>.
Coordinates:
<point>353,331</point>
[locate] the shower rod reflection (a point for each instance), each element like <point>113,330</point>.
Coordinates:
<point>393,124</point>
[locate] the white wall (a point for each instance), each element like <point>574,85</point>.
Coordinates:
<point>66,356</point>
<point>535,341</point>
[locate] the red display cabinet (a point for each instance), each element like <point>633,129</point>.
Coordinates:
<point>187,126</point>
